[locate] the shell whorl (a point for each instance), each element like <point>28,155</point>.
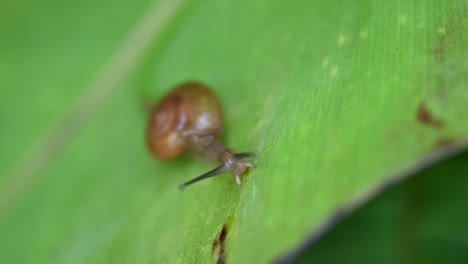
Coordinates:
<point>191,110</point>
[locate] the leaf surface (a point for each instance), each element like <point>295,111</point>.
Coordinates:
<point>335,98</point>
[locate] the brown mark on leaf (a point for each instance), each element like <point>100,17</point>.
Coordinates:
<point>220,242</point>
<point>427,118</point>
<point>443,142</point>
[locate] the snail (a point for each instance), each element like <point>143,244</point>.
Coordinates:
<point>191,117</point>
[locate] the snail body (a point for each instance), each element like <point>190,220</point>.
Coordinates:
<point>191,117</point>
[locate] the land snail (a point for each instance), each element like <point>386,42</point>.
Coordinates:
<point>191,117</point>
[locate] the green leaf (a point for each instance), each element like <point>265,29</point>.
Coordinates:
<point>335,97</point>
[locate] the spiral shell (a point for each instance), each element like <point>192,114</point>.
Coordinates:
<point>188,112</point>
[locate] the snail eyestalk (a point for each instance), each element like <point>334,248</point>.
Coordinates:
<point>219,170</point>
<point>238,181</point>
<point>234,163</point>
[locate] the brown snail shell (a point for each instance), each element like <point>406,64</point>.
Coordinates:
<point>192,109</point>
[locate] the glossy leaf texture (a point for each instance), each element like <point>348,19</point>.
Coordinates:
<point>336,99</point>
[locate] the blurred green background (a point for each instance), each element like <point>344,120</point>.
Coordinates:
<point>339,98</point>
<point>423,220</point>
